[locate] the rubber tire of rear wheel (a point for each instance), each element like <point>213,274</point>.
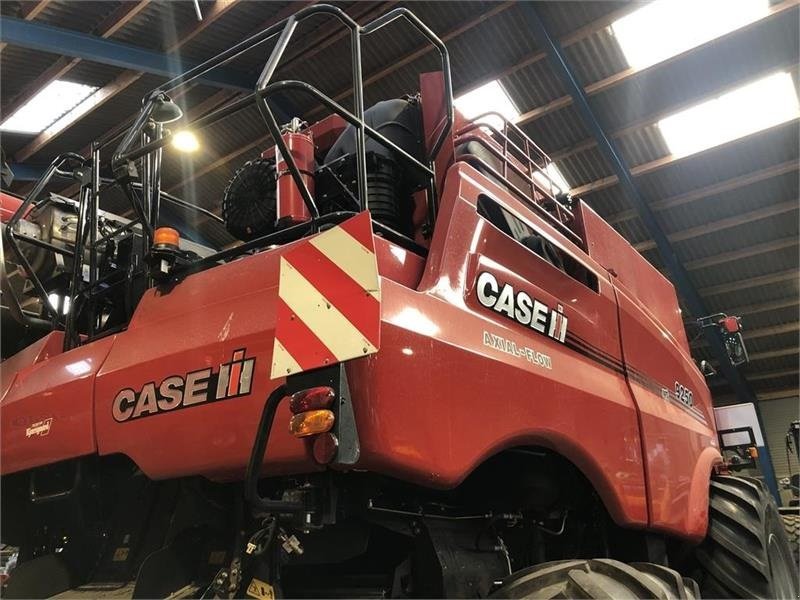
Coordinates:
<point>598,578</point>
<point>746,553</point>
<point>791,523</point>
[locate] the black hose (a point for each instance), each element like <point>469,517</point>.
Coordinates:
<point>257,459</point>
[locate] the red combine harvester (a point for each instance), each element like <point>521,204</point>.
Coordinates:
<point>421,372</point>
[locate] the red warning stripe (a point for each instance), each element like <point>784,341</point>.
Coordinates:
<point>303,345</point>
<point>360,228</point>
<point>329,294</point>
<point>357,305</point>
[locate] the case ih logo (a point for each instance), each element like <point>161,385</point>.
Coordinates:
<point>233,379</point>
<point>521,307</point>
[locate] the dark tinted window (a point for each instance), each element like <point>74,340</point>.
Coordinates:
<point>526,235</point>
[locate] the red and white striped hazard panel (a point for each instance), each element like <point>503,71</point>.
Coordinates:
<point>329,299</point>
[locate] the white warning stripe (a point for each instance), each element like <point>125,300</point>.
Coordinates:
<point>332,328</point>
<point>283,363</point>
<point>350,256</point>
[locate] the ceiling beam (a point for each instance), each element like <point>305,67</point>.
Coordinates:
<point>781,394</point>
<point>653,118</point>
<point>530,59</point>
<point>763,376</point>
<point>329,36</point>
<point>28,12</point>
<point>759,307</point>
<point>721,187</point>
<point>118,19</point>
<point>99,98</point>
<point>334,32</point>
<point>666,161</point>
<point>742,253</point>
<point>31,10</point>
<point>625,74</point>
<point>750,282</point>
<point>127,78</point>
<point>771,330</point>
<point>726,223</point>
<point>793,351</point>
<point>56,40</point>
<point>773,374</point>
<point>778,394</point>
<point>569,39</point>
<point>421,51</point>
<point>752,334</point>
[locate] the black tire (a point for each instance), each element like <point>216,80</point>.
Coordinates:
<point>746,553</point>
<point>791,523</point>
<point>598,578</point>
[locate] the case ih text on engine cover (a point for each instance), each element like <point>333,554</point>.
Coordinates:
<point>412,368</point>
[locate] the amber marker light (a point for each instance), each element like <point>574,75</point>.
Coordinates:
<point>311,422</point>
<point>166,236</point>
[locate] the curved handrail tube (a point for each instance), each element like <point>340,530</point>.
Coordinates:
<point>409,16</point>
<point>11,238</point>
<point>251,42</point>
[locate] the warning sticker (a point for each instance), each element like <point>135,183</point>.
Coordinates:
<point>260,589</point>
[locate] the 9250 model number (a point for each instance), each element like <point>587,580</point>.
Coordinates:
<point>684,394</point>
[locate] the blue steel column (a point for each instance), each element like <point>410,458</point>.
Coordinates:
<point>676,270</point>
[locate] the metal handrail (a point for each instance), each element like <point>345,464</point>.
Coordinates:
<point>560,227</point>
<point>264,88</point>
<point>150,143</point>
<point>11,237</point>
<point>565,215</point>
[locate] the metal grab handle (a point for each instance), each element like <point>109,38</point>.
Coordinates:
<point>257,458</point>
<point>404,13</point>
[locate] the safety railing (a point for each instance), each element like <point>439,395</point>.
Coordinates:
<point>265,88</point>
<point>143,143</point>
<point>522,158</point>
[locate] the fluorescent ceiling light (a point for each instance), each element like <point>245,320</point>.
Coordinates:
<point>665,28</point>
<point>52,105</point>
<point>551,179</point>
<point>750,108</point>
<point>490,97</point>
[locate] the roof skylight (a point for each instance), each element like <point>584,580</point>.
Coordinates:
<point>490,97</point>
<point>758,105</point>
<point>664,28</point>
<point>54,103</point>
<point>551,179</point>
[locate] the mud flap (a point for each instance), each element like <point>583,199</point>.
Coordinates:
<point>329,299</point>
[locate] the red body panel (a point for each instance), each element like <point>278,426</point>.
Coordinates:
<point>59,388</point>
<point>8,206</point>
<point>469,387</point>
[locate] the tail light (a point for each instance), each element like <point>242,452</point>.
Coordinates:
<point>325,448</point>
<point>311,422</point>
<point>322,415</point>
<point>315,398</point>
